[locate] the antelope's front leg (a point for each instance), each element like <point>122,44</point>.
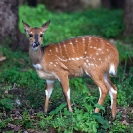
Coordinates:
<point>48,92</point>
<point>63,78</point>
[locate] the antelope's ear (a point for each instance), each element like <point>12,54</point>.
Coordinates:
<point>26,27</point>
<point>45,26</point>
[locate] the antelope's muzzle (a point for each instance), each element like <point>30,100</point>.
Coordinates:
<point>36,43</point>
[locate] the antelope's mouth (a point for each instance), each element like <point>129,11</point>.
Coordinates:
<point>35,44</point>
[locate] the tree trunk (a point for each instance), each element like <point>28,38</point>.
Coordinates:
<point>9,20</point>
<point>128,18</point>
<point>9,29</point>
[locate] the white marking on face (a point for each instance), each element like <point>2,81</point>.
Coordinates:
<point>76,40</point>
<point>77,58</point>
<point>91,47</point>
<point>99,58</point>
<point>37,66</point>
<point>54,65</point>
<point>107,49</point>
<point>97,53</point>
<point>85,52</point>
<point>56,62</point>
<point>112,69</point>
<point>51,63</point>
<point>68,93</point>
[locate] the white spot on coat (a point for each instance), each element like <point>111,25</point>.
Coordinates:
<point>56,49</point>
<point>77,58</point>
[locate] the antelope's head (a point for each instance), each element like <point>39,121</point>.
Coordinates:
<point>35,34</point>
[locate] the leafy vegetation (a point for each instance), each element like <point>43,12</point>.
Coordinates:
<point>22,92</point>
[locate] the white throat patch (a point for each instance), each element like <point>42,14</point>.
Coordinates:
<point>37,66</point>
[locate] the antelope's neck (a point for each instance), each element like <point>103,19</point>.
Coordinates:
<point>36,55</point>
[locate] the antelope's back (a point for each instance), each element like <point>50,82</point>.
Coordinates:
<point>82,53</point>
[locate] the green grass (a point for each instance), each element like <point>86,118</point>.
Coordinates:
<point>18,81</point>
<point>101,22</point>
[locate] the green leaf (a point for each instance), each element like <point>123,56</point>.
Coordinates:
<point>100,107</point>
<point>100,119</point>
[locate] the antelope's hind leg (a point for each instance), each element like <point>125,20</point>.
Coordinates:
<point>113,94</point>
<point>98,78</point>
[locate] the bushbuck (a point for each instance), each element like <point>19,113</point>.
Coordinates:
<point>74,57</point>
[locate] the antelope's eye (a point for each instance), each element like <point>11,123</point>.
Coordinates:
<point>41,35</point>
<point>30,35</point>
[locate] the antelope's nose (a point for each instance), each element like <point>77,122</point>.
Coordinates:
<point>35,44</point>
